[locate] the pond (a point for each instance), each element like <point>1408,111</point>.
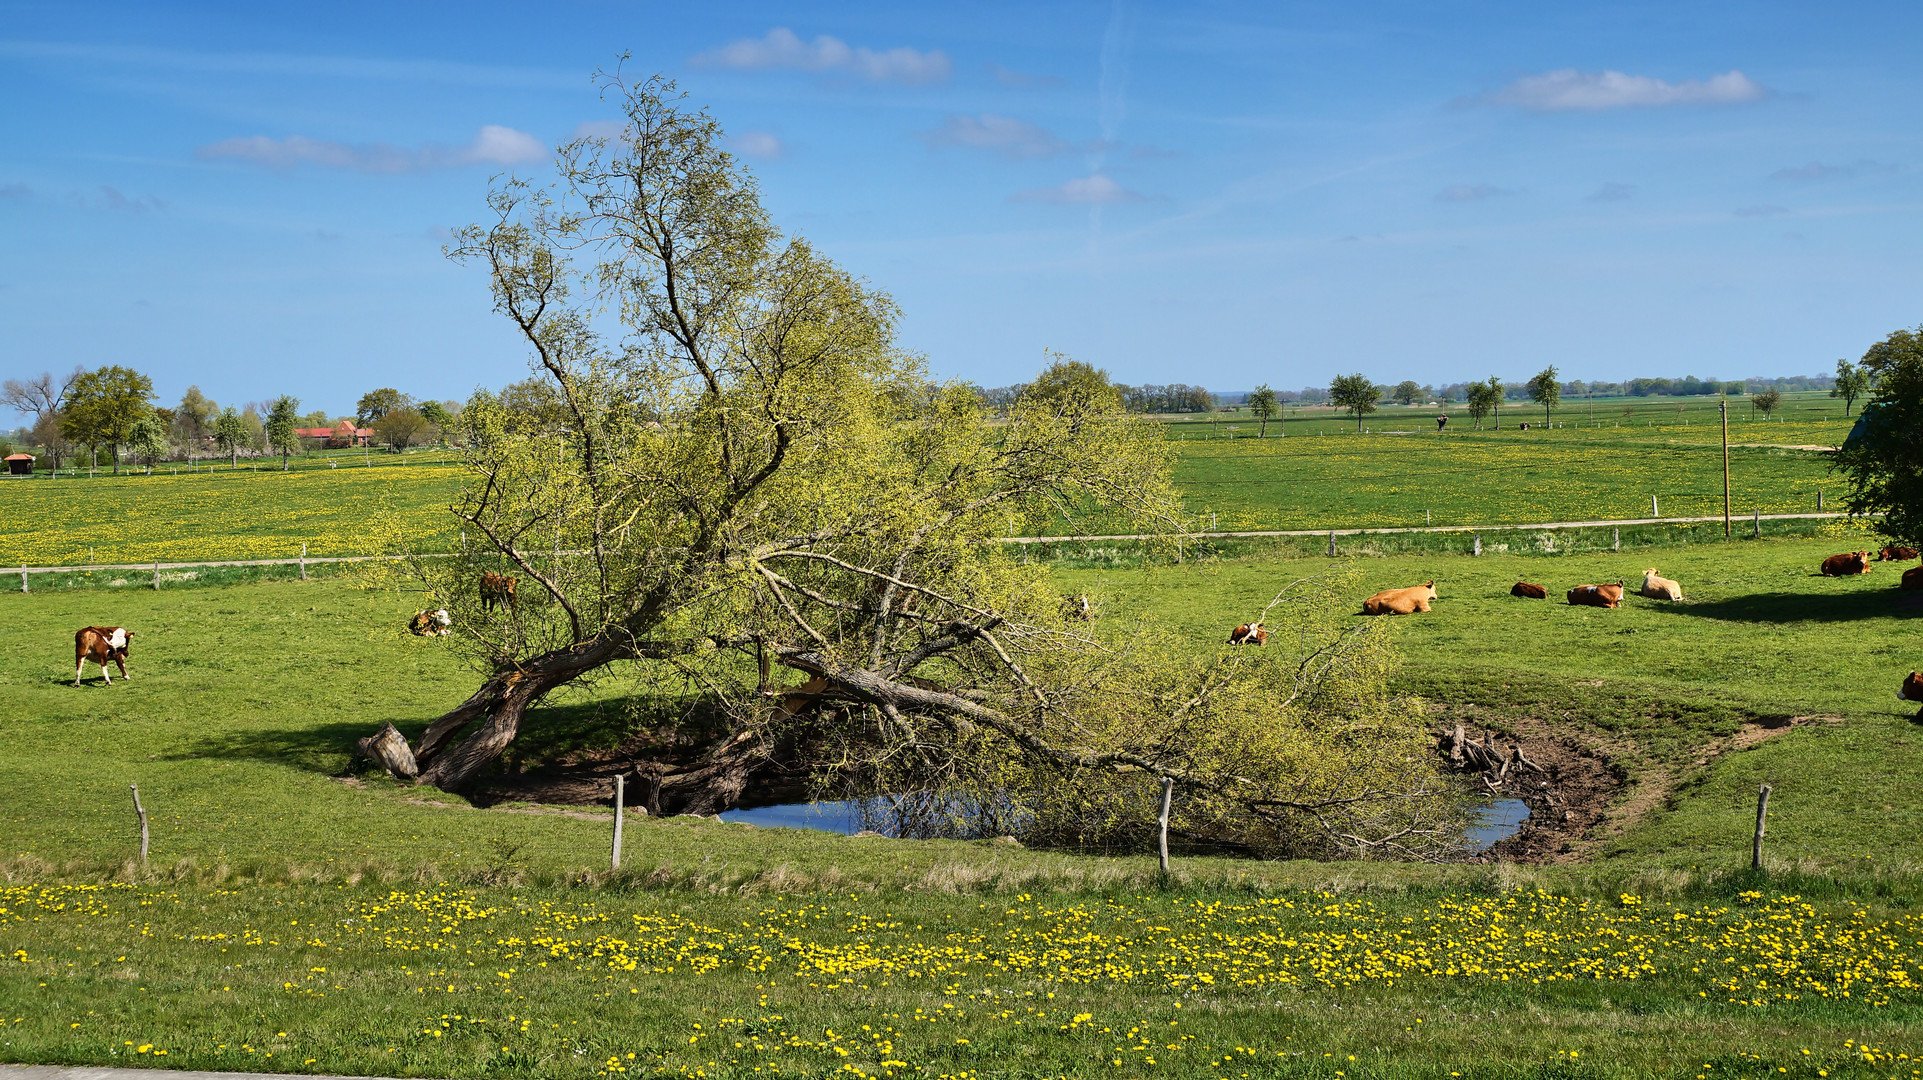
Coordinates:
<point>1496,820</point>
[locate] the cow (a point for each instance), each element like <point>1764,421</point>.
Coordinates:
<point>1249,634</point>
<point>1896,553</point>
<point>1912,691</point>
<point>1913,578</point>
<point>1441,422</point>
<point>1079,607</point>
<point>1659,588</point>
<point>1528,591</point>
<point>497,589</point>
<point>1603,596</point>
<point>430,623</point>
<point>101,644</point>
<point>1400,601</point>
<point>1524,427</point>
<point>1855,562</point>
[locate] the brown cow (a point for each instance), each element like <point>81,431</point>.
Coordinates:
<point>1896,553</point>
<point>1855,562</point>
<point>497,589</point>
<point>1249,634</point>
<point>1605,596</point>
<point>1913,578</point>
<point>1528,591</point>
<point>1400,601</point>
<point>101,644</point>
<point>1912,691</point>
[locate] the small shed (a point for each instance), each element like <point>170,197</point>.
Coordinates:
<point>19,464</point>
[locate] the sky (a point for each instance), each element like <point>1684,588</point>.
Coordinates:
<point>253,198</point>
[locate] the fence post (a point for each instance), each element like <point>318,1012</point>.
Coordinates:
<point>156,576</point>
<point>1819,500</point>
<point>1478,548</point>
<point>1762,810</point>
<point>620,790</point>
<point>142,811</point>
<point>1427,519</point>
<point>1616,539</point>
<point>1756,526</point>
<point>1654,509</point>
<point>23,579</point>
<point>1168,795</point>
<point>1331,543</point>
<point>303,562</point>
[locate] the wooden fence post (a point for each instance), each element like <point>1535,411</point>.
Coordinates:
<point>620,790</point>
<point>1756,846</point>
<point>1331,543</point>
<point>1478,548</point>
<point>1168,796</point>
<point>1654,509</point>
<point>142,811</point>
<point>1616,539</point>
<point>23,579</point>
<point>156,576</point>
<point>1756,525</point>
<point>303,562</point>
<point>1819,500</point>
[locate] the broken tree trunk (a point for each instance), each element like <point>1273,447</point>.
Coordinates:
<point>388,749</point>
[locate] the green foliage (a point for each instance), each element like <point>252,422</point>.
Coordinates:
<point>378,403</point>
<point>282,419</point>
<point>194,416</point>
<point>1264,404</point>
<point>104,405</point>
<point>1407,392</point>
<point>1852,382</point>
<point>230,433</point>
<point>1545,390</point>
<point>401,428</point>
<point>148,439</point>
<point>1073,386</point>
<point>1484,398</point>
<point>1355,393</point>
<point>1882,456</point>
<point>1766,401</point>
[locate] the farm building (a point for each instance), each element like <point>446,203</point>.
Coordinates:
<point>19,464</point>
<point>336,437</point>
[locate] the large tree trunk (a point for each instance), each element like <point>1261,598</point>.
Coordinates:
<point>503,700</point>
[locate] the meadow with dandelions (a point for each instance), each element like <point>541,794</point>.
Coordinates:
<point>524,982</point>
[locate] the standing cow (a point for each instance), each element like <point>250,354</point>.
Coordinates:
<point>497,589</point>
<point>101,644</point>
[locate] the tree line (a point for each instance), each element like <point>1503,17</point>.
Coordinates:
<point>115,409</point>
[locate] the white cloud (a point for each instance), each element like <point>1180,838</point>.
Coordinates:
<point>1569,89</point>
<point>1002,135</point>
<point>1084,189</point>
<point>1471,193</point>
<point>492,145</point>
<point>758,144</point>
<point>1612,191</point>
<point>782,48</point>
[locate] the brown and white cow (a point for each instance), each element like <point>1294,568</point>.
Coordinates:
<point>1249,634</point>
<point>1896,553</point>
<point>430,623</point>
<point>1604,596</point>
<point>1854,562</point>
<point>101,644</point>
<point>1913,578</point>
<point>1912,691</point>
<point>1529,590</point>
<point>497,589</point>
<point>1400,601</point>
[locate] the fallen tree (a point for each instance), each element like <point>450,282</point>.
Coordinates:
<point>751,477</point>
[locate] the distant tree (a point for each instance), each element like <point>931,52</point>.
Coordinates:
<point>1545,391</point>
<point>194,416</point>
<point>250,419</point>
<point>147,439</point>
<point>1408,392</point>
<point>1852,382</point>
<point>378,403</point>
<point>43,394</point>
<point>435,413</point>
<point>1355,393</point>
<point>1263,404</point>
<point>1882,456</point>
<point>400,428</point>
<point>282,419</point>
<point>49,433</point>
<point>230,433</point>
<point>1484,398</point>
<point>316,419</point>
<point>104,404</point>
<point>1065,382</point>
<point>1766,401</point>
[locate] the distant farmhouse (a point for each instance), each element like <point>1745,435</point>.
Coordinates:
<point>336,437</point>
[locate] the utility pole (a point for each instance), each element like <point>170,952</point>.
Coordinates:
<point>1726,468</point>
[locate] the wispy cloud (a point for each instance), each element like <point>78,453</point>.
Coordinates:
<point>1816,170</point>
<point>1569,89</point>
<point>1021,80</point>
<point>113,199</point>
<point>1611,191</point>
<point>759,144</point>
<point>782,48</point>
<point>1761,211</point>
<point>493,145</point>
<point>1096,190</point>
<point>1003,135</point>
<point>1461,193</point>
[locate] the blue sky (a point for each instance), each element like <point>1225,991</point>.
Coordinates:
<point>253,197</point>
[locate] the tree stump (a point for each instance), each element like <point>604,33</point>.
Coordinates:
<point>388,749</point>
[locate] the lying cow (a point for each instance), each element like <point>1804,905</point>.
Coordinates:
<point>1079,607</point>
<point>497,589</point>
<point>1855,562</point>
<point>101,644</point>
<point>1896,553</point>
<point>430,623</point>
<point>1400,601</point>
<point>1913,578</point>
<point>1659,588</point>
<point>1529,590</point>
<point>1605,596</point>
<point>1912,690</point>
<point>1249,634</point>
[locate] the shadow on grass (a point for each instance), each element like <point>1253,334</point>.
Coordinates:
<point>320,747</point>
<point>1795,608</point>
